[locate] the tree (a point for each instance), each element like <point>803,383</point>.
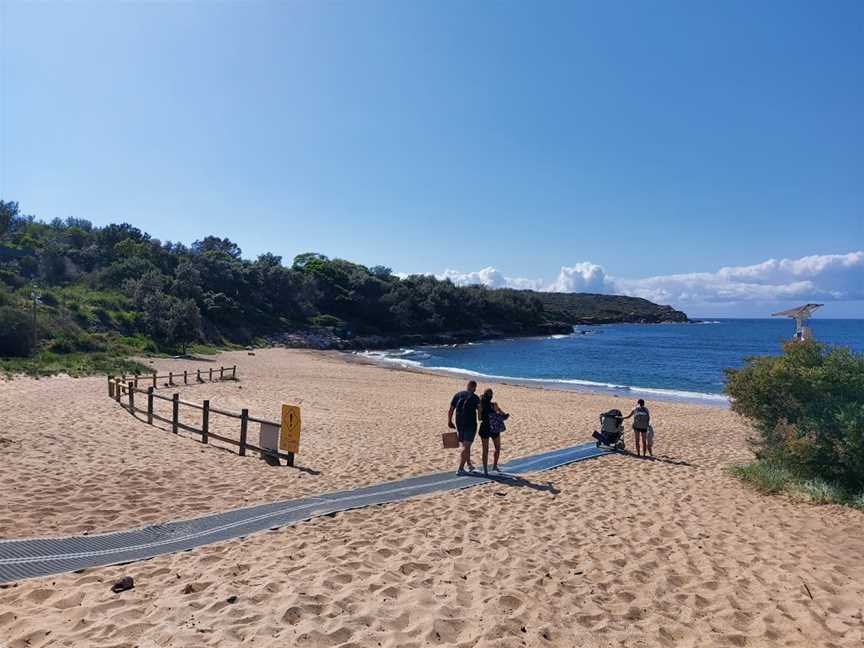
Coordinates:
<point>183,323</point>
<point>8,214</point>
<point>301,260</point>
<point>187,282</point>
<point>54,265</point>
<point>382,272</point>
<point>218,245</point>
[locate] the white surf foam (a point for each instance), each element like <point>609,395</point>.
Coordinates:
<point>674,394</point>
<point>413,358</point>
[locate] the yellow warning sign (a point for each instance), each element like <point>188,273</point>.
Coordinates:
<point>289,437</point>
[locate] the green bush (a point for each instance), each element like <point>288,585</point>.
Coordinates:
<point>66,343</point>
<point>807,406</point>
<point>16,334</point>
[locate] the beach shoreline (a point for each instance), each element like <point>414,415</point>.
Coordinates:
<point>376,358</point>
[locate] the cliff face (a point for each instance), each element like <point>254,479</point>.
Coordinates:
<point>590,308</point>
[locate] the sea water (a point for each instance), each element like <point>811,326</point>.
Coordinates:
<point>668,361</point>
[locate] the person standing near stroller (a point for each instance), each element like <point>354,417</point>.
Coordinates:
<point>491,425</point>
<point>641,420</point>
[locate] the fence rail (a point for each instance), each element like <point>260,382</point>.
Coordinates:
<point>196,375</point>
<point>127,386</point>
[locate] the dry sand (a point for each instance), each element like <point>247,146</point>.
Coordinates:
<point>614,551</point>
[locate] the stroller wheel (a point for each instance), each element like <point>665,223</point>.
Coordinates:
<point>620,445</point>
<point>598,444</point>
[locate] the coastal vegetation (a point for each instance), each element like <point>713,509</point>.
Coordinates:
<point>590,308</point>
<point>807,410</point>
<point>79,298</point>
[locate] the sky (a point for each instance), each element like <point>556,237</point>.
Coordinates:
<point>707,155</point>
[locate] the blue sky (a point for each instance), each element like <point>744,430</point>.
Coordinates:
<point>620,142</point>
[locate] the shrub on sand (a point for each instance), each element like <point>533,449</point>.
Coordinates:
<point>768,478</point>
<point>819,491</point>
<point>807,407</point>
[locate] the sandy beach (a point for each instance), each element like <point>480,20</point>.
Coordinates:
<point>614,551</point>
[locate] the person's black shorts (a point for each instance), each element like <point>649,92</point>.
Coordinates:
<point>466,434</point>
<point>643,431</point>
<point>486,432</point>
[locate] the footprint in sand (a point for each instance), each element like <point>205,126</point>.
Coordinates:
<point>627,597</point>
<point>40,595</point>
<point>411,567</point>
<point>509,603</point>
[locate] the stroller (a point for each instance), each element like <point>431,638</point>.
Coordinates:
<point>611,430</point>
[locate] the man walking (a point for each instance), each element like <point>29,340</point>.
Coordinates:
<point>464,405</point>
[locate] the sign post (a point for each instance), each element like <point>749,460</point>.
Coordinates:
<point>289,437</point>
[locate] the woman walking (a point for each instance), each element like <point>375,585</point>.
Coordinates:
<point>491,425</point>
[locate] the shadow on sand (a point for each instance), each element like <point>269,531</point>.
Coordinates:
<point>660,459</point>
<point>516,482</point>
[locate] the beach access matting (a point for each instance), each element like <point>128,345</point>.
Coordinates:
<point>29,558</point>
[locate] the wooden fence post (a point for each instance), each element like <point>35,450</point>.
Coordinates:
<point>221,373</point>
<point>136,381</point>
<point>199,376</point>
<point>131,397</point>
<point>234,372</point>
<point>154,380</point>
<point>185,378</point>
<point>150,405</point>
<point>244,422</point>
<point>170,377</point>
<point>211,374</point>
<point>110,386</point>
<point>117,389</point>
<point>176,413</point>
<point>205,423</point>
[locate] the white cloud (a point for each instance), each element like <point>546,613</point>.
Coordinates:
<point>490,277</point>
<point>827,277</point>
<point>582,277</point>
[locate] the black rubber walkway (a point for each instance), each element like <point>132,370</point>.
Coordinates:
<point>29,558</point>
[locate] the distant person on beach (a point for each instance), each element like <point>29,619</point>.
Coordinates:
<point>641,421</point>
<point>464,405</point>
<point>491,425</point>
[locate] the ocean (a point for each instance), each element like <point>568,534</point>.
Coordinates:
<point>662,361</point>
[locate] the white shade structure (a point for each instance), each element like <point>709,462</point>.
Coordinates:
<point>800,314</point>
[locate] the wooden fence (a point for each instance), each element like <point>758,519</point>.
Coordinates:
<point>127,386</point>
<point>197,375</point>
